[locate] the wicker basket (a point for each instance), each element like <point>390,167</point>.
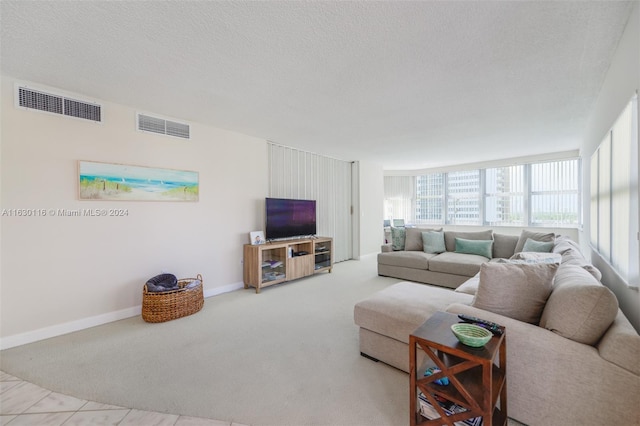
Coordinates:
<point>169,305</point>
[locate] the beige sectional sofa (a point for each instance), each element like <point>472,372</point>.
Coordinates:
<point>577,364</point>
<point>447,269</point>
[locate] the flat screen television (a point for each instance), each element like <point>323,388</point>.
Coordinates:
<point>287,218</point>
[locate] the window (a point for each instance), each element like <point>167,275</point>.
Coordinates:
<point>538,194</point>
<point>430,198</point>
<point>504,196</point>
<point>398,197</point>
<point>614,195</point>
<point>463,197</point>
<point>555,193</point>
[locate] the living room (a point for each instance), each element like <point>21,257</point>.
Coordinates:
<point>62,274</point>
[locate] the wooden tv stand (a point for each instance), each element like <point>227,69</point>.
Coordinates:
<point>279,261</point>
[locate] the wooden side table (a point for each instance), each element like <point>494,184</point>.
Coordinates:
<point>477,376</point>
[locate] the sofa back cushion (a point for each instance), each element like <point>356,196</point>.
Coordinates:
<point>470,286</point>
<point>413,240</point>
<point>536,236</point>
<point>515,290</point>
<point>504,246</point>
<point>536,257</point>
<point>537,246</point>
<point>433,242</point>
<point>571,255</point>
<point>398,236</point>
<point>478,247</point>
<point>450,237</point>
<point>579,308</point>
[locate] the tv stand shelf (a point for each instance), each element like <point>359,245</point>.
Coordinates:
<point>280,261</point>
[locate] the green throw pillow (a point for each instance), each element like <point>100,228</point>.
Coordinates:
<point>433,242</point>
<point>538,246</point>
<point>479,247</point>
<point>397,238</point>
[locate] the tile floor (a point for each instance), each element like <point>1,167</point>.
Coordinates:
<point>25,404</point>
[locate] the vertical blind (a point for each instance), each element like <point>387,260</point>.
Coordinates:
<point>399,202</point>
<point>504,196</point>
<point>555,193</point>
<point>304,175</point>
<point>614,195</point>
<point>533,194</point>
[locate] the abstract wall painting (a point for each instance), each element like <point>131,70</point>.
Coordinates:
<point>120,182</point>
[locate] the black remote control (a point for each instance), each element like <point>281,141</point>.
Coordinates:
<point>491,326</point>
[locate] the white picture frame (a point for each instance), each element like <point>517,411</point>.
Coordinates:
<point>256,238</point>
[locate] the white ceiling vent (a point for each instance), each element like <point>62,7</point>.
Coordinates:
<point>147,123</point>
<point>57,104</point>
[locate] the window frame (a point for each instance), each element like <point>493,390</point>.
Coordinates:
<point>527,219</point>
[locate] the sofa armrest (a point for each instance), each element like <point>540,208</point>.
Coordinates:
<point>621,344</point>
<point>386,248</point>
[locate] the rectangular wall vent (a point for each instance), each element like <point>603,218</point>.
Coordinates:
<point>56,104</point>
<point>147,123</point>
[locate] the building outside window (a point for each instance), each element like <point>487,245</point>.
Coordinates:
<point>537,194</point>
<point>430,198</point>
<point>504,196</point>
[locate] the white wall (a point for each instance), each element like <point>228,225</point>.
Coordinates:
<point>64,273</point>
<point>622,80</point>
<point>371,207</point>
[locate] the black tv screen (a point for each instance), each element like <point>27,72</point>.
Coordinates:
<point>287,218</point>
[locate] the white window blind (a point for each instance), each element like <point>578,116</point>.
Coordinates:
<point>614,195</point>
<point>535,194</point>
<point>604,197</point>
<point>593,217</point>
<point>399,197</point>
<point>555,193</point>
<point>304,175</point>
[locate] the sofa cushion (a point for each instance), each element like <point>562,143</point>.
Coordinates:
<point>504,246</point>
<point>456,263</point>
<point>470,286</point>
<point>450,237</point>
<point>563,242</point>
<point>534,257</point>
<point>398,236</point>
<point>537,246</point>
<point>479,247</point>
<point>413,240</point>
<point>406,259</point>
<point>536,236</point>
<point>433,242</point>
<point>571,255</point>
<point>579,308</point>
<point>518,291</point>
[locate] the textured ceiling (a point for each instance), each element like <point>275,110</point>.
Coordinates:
<point>408,85</point>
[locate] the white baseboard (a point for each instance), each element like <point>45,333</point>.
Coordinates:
<point>224,289</point>
<point>70,327</point>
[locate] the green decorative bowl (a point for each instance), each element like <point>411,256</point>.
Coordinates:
<point>471,334</point>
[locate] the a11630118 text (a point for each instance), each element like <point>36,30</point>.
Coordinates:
<point>57,212</point>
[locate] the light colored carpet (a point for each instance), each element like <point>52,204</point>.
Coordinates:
<point>286,356</point>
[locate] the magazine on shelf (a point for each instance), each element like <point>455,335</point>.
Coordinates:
<point>427,410</point>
